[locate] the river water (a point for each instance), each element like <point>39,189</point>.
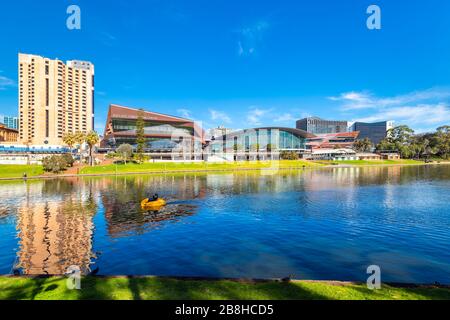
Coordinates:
<point>327,224</point>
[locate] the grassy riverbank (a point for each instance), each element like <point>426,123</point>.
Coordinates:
<point>196,166</point>
<point>154,288</point>
<point>17,171</point>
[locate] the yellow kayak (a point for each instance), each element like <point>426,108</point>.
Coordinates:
<point>157,204</point>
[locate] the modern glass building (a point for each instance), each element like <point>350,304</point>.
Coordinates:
<point>317,125</point>
<point>259,143</point>
<point>374,131</point>
<point>10,122</point>
<point>163,133</point>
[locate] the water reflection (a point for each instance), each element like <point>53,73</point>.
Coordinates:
<point>314,223</point>
<point>55,232</point>
<point>121,198</point>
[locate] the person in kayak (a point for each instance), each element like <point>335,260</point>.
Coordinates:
<point>153,198</point>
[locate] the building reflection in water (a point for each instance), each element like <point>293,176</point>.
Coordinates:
<point>55,217</point>
<point>56,230</point>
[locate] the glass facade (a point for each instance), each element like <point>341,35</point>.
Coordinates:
<point>320,126</point>
<point>158,135</point>
<point>10,122</point>
<point>264,139</point>
<point>375,132</point>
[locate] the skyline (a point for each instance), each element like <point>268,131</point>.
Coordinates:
<point>247,65</point>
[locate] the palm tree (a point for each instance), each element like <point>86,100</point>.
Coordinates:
<point>91,139</point>
<point>69,139</point>
<point>79,138</point>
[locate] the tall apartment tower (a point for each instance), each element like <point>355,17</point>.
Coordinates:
<point>54,98</point>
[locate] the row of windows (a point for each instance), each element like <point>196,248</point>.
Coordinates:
<point>258,140</point>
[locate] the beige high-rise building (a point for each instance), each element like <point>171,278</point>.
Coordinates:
<point>54,98</point>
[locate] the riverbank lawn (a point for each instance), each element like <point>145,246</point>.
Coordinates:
<point>154,288</point>
<point>372,162</point>
<point>200,166</point>
<point>16,171</point>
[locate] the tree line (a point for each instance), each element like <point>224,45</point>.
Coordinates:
<point>402,139</point>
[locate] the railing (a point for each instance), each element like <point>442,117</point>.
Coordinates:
<point>26,150</point>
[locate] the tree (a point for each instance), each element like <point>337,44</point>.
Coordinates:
<point>69,140</point>
<point>68,159</point>
<point>400,134</point>
<point>126,151</point>
<point>54,164</point>
<point>399,139</point>
<point>79,138</point>
<point>140,132</point>
<point>443,141</point>
<point>91,140</point>
<point>364,145</point>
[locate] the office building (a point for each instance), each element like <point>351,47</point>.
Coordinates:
<point>10,122</point>
<point>218,132</point>
<point>375,132</point>
<point>54,98</point>
<point>164,134</point>
<point>8,134</point>
<point>258,144</point>
<point>317,125</point>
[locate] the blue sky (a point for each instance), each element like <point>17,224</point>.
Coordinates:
<point>246,63</point>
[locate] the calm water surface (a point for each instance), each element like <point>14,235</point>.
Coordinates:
<point>323,224</point>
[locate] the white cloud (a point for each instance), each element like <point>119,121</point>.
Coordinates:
<point>185,113</point>
<point>255,114</point>
<point>6,83</point>
<point>422,114</point>
<point>285,117</point>
<point>219,116</point>
<point>418,109</point>
<point>108,39</point>
<point>250,37</point>
<point>366,100</point>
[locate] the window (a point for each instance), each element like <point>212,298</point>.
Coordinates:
<point>46,70</point>
<point>46,92</point>
<point>46,123</point>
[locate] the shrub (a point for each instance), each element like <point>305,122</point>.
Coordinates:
<point>288,155</point>
<point>125,151</point>
<point>69,159</point>
<point>55,164</point>
<point>112,155</point>
<point>140,157</point>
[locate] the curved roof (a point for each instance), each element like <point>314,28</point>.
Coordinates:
<point>298,132</point>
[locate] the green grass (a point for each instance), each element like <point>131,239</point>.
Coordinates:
<point>178,166</point>
<point>16,171</point>
<point>13,170</point>
<point>154,288</point>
